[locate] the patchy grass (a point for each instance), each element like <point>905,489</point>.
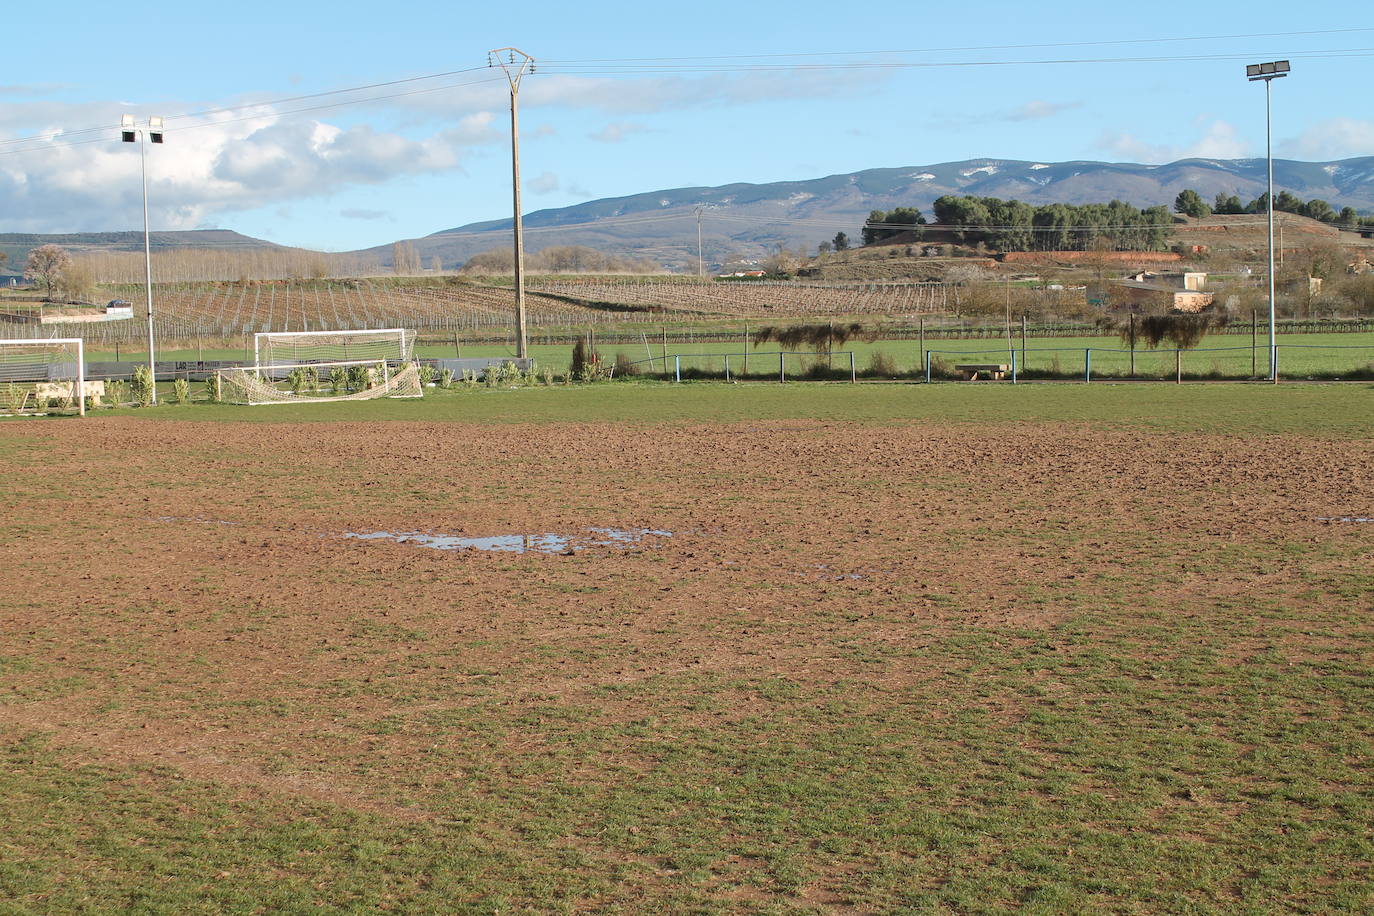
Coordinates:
<point>956,649</point>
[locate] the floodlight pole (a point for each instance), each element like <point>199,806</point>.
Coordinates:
<point>131,134</point>
<point>515,68</point>
<point>1268,73</point>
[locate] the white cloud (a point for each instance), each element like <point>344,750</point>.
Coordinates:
<point>547,183</point>
<point>1219,141</point>
<point>1038,110</point>
<point>236,161</point>
<point>617,131</point>
<point>355,213</point>
<point>1034,110</point>
<point>1337,138</point>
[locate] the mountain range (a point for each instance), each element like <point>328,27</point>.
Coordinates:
<point>749,220</point>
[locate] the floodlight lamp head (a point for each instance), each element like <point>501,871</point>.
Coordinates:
<point>155,123</point>
<point>126,121</point>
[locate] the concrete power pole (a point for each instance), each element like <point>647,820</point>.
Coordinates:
<point>701,260</point>
<point>515,65</point>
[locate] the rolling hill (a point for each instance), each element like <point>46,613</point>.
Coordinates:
<point>749,220</point>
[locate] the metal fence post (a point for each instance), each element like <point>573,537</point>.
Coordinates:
<point>853,375</point>
<point>927,367</point>
<point>1178,366</point>
<point>1087,365</point>
<point>677,367</point>
<point>1014,366</point>
<point>782,366</point>
<point>727,367</point>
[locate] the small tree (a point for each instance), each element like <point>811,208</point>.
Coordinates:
<point>841,242</point>
<point>1190,203</point>
<point>141,386</point>
<point>46,264</point>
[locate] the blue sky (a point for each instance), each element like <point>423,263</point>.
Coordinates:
<point>625,99</point>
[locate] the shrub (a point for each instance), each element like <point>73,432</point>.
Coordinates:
<point>359,378</point>
<point>547,373</point>
<point>338,380</point>
<point>583,356</point>
<point>624,367</point>
<point>116,391</point>
<point>141,386</point>
<point>426,375</point>
<point>14,397</point>
<point>296,380</point>
<point>445,378</point>
<point>213,392</point>
<point>181,391</point>
<point>880,365</point>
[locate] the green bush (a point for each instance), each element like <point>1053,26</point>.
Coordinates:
<point>116,391</point>
<point>426,373</point>
<point>14,396</point>
<point>296,380</point>
<point>880,365</point>
<point>181,391</point>
<point>213,392</point>
<point>359,378</point>
<point>141,386</point>
<point>446,378</point>
<point>338,380</point>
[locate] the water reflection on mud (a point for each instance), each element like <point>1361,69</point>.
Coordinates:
<point>619,538</point>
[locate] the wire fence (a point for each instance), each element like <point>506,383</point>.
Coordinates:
<point>1292,361</point>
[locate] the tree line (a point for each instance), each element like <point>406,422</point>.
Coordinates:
<point>1191,203</point>
<point>1010,225</point>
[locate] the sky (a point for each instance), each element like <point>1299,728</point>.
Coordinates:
<point>624,99</point>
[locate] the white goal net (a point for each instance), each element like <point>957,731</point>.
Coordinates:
<point>44,376</point>
<point>318,382</point>
<point>279,348</point>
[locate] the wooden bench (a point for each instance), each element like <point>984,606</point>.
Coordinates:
<point>994,371</point>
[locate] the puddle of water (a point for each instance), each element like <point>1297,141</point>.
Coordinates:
<point>838,576</point>
<point>199,520</point>
<point>1350,519</point>
<point>620,538</point>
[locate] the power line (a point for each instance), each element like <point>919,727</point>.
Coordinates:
<point>1062,44</point>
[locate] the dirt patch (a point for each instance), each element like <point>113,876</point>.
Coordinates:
<point>181,595</point>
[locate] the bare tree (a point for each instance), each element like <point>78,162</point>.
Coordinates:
<point>46,264</point>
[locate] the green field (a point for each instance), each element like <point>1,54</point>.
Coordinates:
<point>1258,409</point>
<point>948,649</point>
<point>1321,356</point>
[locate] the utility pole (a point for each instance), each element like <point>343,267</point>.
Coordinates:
<point>701,261</point>
<point>515,65</point>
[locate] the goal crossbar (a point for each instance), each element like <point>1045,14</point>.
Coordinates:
<point>331,346</point>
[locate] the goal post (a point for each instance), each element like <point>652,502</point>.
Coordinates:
<point>292,348</point>
<point>43,375</point>
<point>319,382</point>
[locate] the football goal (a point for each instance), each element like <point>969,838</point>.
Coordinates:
<point>45,376</point>
<point>317,382</point>
<point>285,348</point>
